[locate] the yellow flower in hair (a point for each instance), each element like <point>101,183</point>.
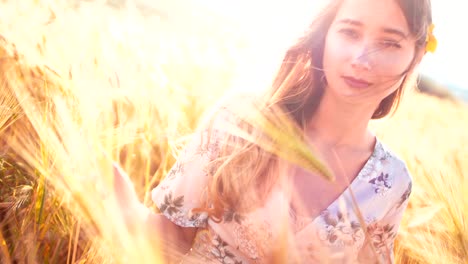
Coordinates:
<point>431,41</point>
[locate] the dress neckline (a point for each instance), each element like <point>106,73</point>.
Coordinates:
<point>304,221</point>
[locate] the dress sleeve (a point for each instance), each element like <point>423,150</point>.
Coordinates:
<point>382,233</point>
<point>184,186</point>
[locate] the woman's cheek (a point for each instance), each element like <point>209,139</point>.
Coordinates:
<point>337,52</point>
<point>393,64</point>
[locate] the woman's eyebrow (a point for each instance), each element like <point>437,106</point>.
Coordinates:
<point>395,32</point>
<point>388,30</point>
<point>350,21</point>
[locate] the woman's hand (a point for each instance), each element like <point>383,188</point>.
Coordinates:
<point>134,212</point>
<point>174,241</point>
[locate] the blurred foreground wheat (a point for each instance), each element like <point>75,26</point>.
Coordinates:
<point>119,84</point>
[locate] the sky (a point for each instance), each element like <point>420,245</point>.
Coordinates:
<point>446,64</point>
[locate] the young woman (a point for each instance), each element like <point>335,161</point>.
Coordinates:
<point>230,200</point>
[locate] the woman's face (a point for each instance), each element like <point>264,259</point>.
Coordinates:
<point>368,49</point>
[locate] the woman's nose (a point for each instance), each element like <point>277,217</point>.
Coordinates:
<point>362,60</point>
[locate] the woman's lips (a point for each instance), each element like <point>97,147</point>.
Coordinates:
<point>356,83</point>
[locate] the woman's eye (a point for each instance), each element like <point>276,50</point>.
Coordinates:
<point>351,33</point>
<point>390,44</point>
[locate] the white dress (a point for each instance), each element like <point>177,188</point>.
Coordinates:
<point>381,189</point>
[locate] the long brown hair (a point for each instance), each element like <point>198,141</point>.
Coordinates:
<point>244,172</point>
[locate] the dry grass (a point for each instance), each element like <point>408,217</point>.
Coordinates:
<point>121,85</point>
<point>430,134</point>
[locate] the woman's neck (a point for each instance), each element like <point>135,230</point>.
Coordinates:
<point>339,124</point>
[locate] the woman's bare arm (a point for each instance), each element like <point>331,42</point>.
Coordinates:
<point>174,240</point>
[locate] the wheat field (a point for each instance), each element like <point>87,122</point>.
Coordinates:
<point>88,83</point>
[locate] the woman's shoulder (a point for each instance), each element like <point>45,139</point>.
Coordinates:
<point>392,166</point>
<point>230,111</point>
<point>388,156</point>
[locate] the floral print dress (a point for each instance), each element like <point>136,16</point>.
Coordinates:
<point>337,235</point>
